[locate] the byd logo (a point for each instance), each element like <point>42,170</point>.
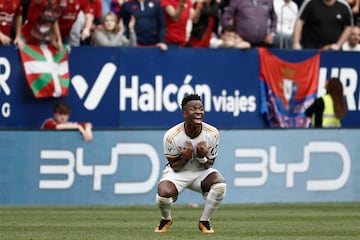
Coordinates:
<point>268,163</point>
<point>74,164</point>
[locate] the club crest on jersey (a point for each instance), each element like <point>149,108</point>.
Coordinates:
<point>172,151</point>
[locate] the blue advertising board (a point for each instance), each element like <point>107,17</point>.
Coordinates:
<point>123,167</point>
<point>142,88</point>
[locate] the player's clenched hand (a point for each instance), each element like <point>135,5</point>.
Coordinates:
<point>202,149</point>
<point>186,151</point>
<point>185,155</point>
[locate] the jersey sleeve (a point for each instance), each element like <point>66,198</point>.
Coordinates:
<point>170,148</point>
<point>213,150</point>
<point>213,143</point>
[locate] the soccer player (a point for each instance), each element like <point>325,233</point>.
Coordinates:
<point>190,148</point>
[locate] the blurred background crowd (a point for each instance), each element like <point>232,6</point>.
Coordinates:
<point>285,24</point>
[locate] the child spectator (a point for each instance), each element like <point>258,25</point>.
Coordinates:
<point>60,121</point>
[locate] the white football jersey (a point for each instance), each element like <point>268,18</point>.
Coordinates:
<point>175,138</point>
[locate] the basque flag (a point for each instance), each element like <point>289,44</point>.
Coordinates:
<point>46,70</point>
<point>287,89</point>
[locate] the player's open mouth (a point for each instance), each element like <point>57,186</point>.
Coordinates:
<point>198,119</point>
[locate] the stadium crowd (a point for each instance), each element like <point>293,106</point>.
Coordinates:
<point>286,24</point>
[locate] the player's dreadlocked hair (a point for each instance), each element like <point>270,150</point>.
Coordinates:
<point>189,98</point>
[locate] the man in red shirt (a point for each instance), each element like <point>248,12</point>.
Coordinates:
<point>70,14</point>
<point>96,6</point>
<point>41,25</point>
<point>10,12</point>
<point>177,14</point>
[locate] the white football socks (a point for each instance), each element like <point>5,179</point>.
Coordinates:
<point>165,206</point>
<point>213,200</point>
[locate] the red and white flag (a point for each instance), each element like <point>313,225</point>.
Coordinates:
<point>46,70</point>
<point>287,88</point>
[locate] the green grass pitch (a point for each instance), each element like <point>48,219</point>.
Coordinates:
<point>310,221</point>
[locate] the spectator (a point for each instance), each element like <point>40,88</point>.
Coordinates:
<point>229,39</point>
<point>328,110</point>
<point>71,15</point>
<point>352,44</point>
<point>206,25</point>
<point>150,22</point>
<point>109,34</point>
<point>10,13</point>
<point>322,24</point>
<point>60,121</point>
<point>255,21</point>
<point>41,25</point>
<point>286,12</point>
<point>177,15</point>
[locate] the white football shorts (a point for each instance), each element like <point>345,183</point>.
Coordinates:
<point>186,179</point>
